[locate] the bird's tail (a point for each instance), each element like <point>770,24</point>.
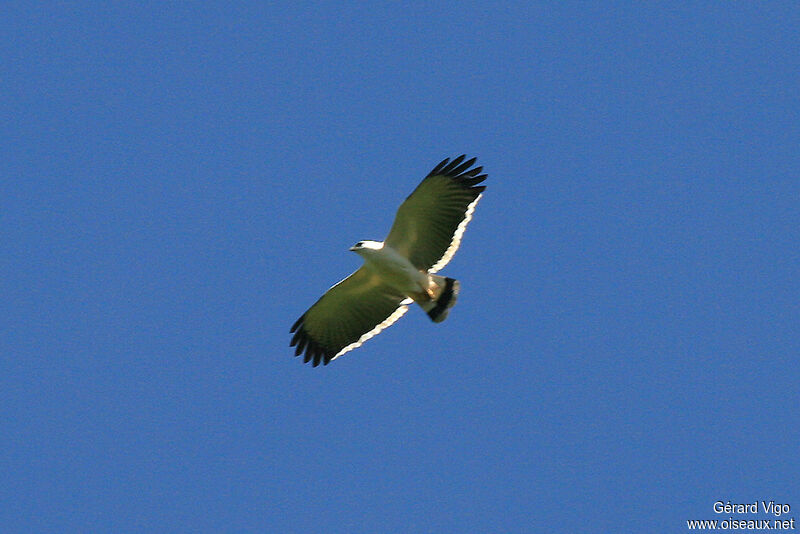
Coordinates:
<point>445,294</point>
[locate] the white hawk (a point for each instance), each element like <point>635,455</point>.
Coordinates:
<point>426,233</point>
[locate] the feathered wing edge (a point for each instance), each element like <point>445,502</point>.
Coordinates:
<point>386,323</point>
<point>468,179</point>
<point>316,353</point>
<point>455,243</point>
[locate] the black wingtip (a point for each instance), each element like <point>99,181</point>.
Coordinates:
<point>448,169</point>
<point>297,323</point>
<point>461,172</point>
<point>463,167</point>
<point>473,172</point>
<point>439,167</point>
<point>470,182</point>
<point>300,346</point>
<point>298,336</point>
<point>312,351</point>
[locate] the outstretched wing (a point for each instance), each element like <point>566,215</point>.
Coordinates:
<point>348,314</point>
<point>429,224</point>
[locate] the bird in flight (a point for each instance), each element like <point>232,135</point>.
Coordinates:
<point>425,235</point>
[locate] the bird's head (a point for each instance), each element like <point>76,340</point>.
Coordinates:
<point>365,247</point>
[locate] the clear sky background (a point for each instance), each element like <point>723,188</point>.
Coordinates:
<point>179,183</point>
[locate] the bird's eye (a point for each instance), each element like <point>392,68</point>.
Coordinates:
<point>360,244</point>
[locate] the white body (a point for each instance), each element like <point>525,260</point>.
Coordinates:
<point>394,269</point>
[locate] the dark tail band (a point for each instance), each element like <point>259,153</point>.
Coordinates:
<point>437,313</point>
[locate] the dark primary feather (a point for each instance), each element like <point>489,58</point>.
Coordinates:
<point>314,351</point>
<point>451,169</point>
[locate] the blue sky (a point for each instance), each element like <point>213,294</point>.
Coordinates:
<point>180,182</point>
